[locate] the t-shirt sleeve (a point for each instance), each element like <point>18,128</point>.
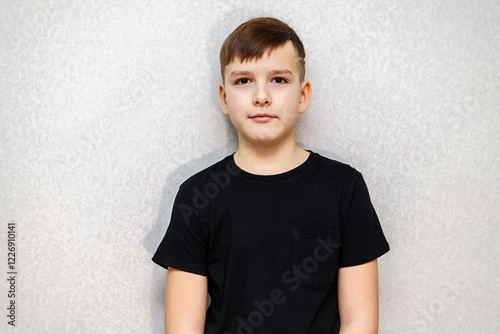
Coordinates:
<point>362,238</point>
<point>184,246</point>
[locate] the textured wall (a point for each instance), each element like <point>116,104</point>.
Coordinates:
<point>106,106</point>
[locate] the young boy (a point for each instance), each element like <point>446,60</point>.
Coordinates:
<point>283,239</point>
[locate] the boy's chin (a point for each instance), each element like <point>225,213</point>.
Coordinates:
<point>266,142</point>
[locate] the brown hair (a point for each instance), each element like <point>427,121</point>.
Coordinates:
<point>251,39</point>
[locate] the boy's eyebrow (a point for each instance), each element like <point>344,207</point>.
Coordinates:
<point>238,73</point>
<point>281,72</point>
<point>249,73</point>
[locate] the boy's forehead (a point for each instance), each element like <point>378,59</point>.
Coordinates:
<point>284,56</point>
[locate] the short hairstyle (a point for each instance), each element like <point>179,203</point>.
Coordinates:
<point>252,38</point>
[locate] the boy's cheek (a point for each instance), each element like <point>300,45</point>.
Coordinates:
<point>234,101</point>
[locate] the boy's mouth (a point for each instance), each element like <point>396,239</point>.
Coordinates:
<point>262,118</point>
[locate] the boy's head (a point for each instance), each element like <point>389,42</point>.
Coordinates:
<point>263,89</point>
<point>253,38</point>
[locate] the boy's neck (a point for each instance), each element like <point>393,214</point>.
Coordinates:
<point>269,160</point>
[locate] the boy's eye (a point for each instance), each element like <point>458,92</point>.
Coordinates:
<point>242,81</point>
<point>279,80</point>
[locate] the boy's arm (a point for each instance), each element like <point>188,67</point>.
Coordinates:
<point>185,302</point>
<point>358,298</point>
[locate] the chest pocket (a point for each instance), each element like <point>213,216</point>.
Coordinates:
<point>315,256</point>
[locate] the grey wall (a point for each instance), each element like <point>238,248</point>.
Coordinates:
<point>107,106</point>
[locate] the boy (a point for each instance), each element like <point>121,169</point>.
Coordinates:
<point>283,239</point>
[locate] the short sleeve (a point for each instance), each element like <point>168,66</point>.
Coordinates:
<point>184,246</point>
<point>362,238</point>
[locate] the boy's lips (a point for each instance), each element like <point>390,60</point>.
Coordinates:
<point>262,118</point>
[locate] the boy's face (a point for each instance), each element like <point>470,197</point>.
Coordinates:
<point>264,97</point>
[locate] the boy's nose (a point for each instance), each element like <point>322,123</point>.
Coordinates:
<point>261,98</point>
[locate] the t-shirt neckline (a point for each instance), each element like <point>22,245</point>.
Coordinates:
<point>288,175</point>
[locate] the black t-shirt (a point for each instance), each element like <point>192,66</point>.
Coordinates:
<point>271,245</point>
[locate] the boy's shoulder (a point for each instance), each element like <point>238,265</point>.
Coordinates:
<point>336,168</point>
<point>218,173</point>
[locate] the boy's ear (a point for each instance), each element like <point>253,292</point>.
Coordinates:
<point>222,99</point>
<point>305,96</point>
